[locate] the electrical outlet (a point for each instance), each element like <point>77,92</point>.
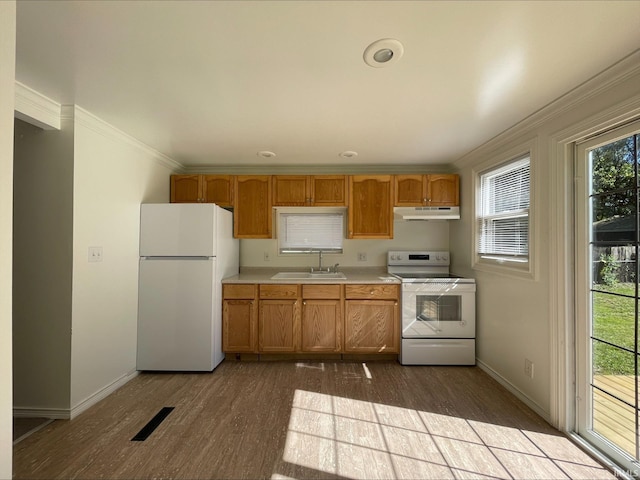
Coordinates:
<point>362,256</point>
<point>266,256</point>
<point>528,368</point>
<point>95,254</point>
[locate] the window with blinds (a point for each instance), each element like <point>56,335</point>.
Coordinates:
<point>503,212</point>
<point>310,232</point>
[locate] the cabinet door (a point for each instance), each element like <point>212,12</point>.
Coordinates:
<point>252,206</point>
<point>291,190</point>
<point>186,188</point>
<point>371,326</point>
<point>321,326</point>
<point>410,191</point>
<point>278,326</point>
<point>443,190</point>
<point>370,206</point>
<point>328,190</point>
<point>239,326</point>
<point>218,189</point>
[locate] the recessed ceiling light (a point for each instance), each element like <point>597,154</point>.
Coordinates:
<point>348,154</point>
<point>266,154</point>
<point>383,52</point>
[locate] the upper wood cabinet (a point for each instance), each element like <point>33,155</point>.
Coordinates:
<point>291,190</point>
<point>427,190</point>
<point>252,216</point>
<point>371,206</point>
<point>216,189</point>
<point>309,190</point>
<point>328,190</point>
<point>186,188</point>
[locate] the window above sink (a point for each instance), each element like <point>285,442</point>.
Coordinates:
<point>310,232</point>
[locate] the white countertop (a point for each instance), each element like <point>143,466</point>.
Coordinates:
<point>352,274</point>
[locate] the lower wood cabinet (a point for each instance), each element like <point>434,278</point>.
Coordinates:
<point>321,323</point>
<point>279,318</point>
<point>371,319</point>
<point>292,318</point>
<point>239,318</point>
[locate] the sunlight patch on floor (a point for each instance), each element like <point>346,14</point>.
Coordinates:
<point>363,440</point>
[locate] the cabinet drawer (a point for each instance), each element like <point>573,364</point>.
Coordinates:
<point>321,291</point>
<point>372,291</point>
<point>279,291</point>
<point>239,291</point>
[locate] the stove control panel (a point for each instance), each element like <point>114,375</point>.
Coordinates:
<point>418,258</point>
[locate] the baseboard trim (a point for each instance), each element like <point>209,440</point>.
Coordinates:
<point>52,413</point>
<point>101,394</point>
<point>513,389</point>
<point>70,414</point>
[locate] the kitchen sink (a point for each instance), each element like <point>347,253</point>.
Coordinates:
<point>308,276</point>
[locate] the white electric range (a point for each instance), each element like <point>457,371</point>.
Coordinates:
<point>438,309</point>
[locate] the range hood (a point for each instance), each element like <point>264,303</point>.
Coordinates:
<point>426,213</point>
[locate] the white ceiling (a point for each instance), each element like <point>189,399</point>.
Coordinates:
<point>211,83</point>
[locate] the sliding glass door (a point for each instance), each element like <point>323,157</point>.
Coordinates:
<point>608,240</point>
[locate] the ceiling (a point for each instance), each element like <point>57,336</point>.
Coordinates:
<point>211,83</point>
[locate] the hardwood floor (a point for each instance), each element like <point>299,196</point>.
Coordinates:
<point>24,426</point>
<point>283,420</point>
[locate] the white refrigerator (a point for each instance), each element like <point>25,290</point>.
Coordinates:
<point>186,249</point>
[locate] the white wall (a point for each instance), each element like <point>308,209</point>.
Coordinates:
<point>7,82</point>
<point>113,175</point>
<point>522,318</point>
<point>429,235</point>
<point>42,262</point>
<point>78,187</point>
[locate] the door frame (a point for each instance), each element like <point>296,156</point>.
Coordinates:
<point>583,277</point>
<point>561,259</point>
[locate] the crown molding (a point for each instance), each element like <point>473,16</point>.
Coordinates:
<point>97,125</point>
<point>318,169</point>
<point>36,109</point>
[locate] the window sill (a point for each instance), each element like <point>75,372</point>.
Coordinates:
<point>522,270</point>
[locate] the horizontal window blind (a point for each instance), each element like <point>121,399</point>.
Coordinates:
<point>503,214</point>
<point>299,233</point>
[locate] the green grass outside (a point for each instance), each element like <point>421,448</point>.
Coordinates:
<point>613,321</point>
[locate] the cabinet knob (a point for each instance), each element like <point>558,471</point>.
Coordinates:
<point>304,303</point>
<point>371,292</point>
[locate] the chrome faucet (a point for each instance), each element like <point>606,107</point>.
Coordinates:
<point>320,268</point>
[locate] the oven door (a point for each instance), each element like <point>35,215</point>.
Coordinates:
<point>438,309</point>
